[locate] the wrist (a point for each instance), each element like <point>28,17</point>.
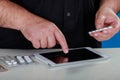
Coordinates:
<point>111,4</point>
<point>30,20</point>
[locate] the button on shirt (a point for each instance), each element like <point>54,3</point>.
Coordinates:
<point>73,17</point>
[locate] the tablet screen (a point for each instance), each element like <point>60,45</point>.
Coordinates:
<point>73,55</point>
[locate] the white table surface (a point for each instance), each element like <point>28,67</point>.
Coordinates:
<point>108,70</point>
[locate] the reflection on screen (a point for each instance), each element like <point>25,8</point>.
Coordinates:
<point>73,55</point>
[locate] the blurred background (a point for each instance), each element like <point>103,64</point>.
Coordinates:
<point>114,42</point>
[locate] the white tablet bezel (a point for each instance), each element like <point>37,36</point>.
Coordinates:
<point>52,64</point>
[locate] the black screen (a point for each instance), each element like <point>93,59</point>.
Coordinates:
<point>73,55</point>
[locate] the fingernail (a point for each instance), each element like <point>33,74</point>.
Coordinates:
<point>95,34</point>
<point>105,32</point>
<point>66,51</point>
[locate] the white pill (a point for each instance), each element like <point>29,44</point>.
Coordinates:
<point>27,59</point>
<point>20,59</point>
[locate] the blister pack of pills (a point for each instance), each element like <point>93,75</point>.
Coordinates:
<point>13,61</point>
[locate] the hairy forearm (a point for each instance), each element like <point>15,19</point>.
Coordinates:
<point>113,4</point>
<point>12,15</point>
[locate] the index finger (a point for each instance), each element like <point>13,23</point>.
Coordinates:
<point>99,21</point>
<point>62,41</point>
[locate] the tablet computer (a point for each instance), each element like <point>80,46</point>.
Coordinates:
<point>75,56</point>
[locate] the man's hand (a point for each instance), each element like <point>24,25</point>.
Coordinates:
<point>41,32</point>
<point>106,17</point>
<point>44,34</point>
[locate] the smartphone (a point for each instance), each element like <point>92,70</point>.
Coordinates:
<point>75,56</point>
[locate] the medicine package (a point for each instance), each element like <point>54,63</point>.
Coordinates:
<point>7,62</point>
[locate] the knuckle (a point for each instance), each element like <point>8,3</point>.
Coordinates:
<point>36,45</point>
<point>31,35</point>
<point>43,46</point>
<point>52,24</point>
<point>51,45</point>
<point>99,40</point>
<point>97,14</point>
